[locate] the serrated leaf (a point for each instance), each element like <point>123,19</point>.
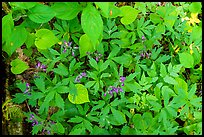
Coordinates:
<point>18,66</point>
<point>101,103</point>
<point>119,117</point>
<point>81,97</point>
<point>104,65</point>
<point>90,84</point>
<point>19,98</point>
<point>170,80</point>
<point>62,89</point>
<point>59,102</point>
<point>93,63</point>
<point>40,83</point>
<point>45,39</point>
<point>76,119</point>
<point>61,70</point>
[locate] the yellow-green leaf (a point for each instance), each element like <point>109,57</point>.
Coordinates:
<point>129,14</point>
<point>81,96</point>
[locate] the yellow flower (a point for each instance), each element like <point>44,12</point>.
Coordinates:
<point>194,19</point>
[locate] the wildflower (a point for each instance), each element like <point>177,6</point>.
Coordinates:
<point>48,132</point>
<point>122,79</point>
<point>41,66</point>
<point>143,38</point>
<point>194,19</point>
<point>73,53</point>
<point>83,74</point>
<point>79,77</point>
<point>27,89</point>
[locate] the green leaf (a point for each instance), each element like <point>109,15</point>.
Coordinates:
<point>186,59</point>
<point>180,84</point>
<point>93,63</point>
<point>81,97</point>
<point>155,18</point>
<point>66,10</point>
<point>85,45</point>
<point>195,7</point>
<point>59,102</point>
<point>163,72</point>
<point>62,89</point>
<point>138,121</point>
<point>90,84</point>
<point>76,119</point>
<point>60,128</point>
<point>19,98</point>
<point>114,52</point>
<point>167,93</point>
<point>24,5</point>
<point>129,14</point>
<point>104,65</point>
<point>49,96</point>
<point>92,23</point>
<point>131,77</point>
<point>88,125</point>
<point>30,41</point>
<point>41,13</point>
<point>18,66</point>
<point>40,83</point>
<point>125,59</point>
<point>61,70</point>
<point>119,117</point>
<point>45,39</point>
<point>104,6</point>
<point>192,91</point>
<point>15,40</point>
<point>7,27</point>
<point>196,33</point>
<point>100,104</point>
<point>160,29</point>
<point>170,80</point>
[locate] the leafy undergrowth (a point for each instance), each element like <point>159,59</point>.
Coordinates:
<point>105,67</point>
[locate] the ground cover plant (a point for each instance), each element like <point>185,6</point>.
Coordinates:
<point>102,68</point>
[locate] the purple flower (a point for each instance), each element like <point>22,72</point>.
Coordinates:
<point>27,85</point>
<point>143,38</point>
<point>48,132</point>
<point>73,53</point>
<point>122,79</point>
<point>43,66</point>
<point>69,44</point>
<point>121,90</point>
<point>83,74</point>
<point>142,55</point>
<point>64,50</point>
<point>38,65</point>
<point>104,94</point>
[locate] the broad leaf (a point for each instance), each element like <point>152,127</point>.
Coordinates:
<point>81,97</point>
<point>45,39</point>
<point>129,14</point>
<point>18,66</point>
<point>66,10</point>
<point>41,13</point>
<point>186,59</point>
<point>85,45</point>
<point>92,23</point>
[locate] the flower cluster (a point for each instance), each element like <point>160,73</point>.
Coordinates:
<point>67,45</point>
<point>79,77</point>
<point>95,55</point>
<point>116,89</point>
<point>34,121</point>
<point>145,55</point>
<point>27,89</point>
<point>40,66</point>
